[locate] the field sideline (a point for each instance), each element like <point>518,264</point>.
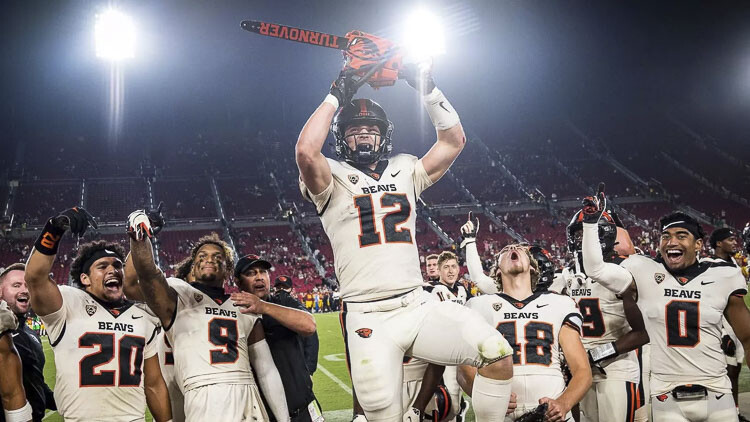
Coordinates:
<point>331,380</point>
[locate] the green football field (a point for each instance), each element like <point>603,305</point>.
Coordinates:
<point>331,380</point>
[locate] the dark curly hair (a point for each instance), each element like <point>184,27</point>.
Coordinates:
<point>183,268</point>
<point>86,251</point>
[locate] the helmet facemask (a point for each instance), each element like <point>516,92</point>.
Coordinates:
<point>358,113</point>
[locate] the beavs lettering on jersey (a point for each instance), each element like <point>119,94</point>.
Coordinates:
<point>684,294</point>
<point>580,292</point>
<point>520,315</point>
<point>379,188</point>
<point>221,312</point>
<point>115,326</point>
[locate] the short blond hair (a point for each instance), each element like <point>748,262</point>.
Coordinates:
<point>446,256</point>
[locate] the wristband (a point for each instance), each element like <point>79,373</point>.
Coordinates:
<point>332,100</point>
<point>19,415</point>
<point>49,240</point>
<point>441,112</point>
<point>603,352</point>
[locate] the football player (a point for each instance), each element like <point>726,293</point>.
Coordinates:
<point>431,268</point>
<point>213,343</point>
<point>540,326</point>
<point>112,339</point>
<point>12,396</point>
<point>367,204</point>
<point>612,331</point>
<point>684,301</point>
<point>723,241</point>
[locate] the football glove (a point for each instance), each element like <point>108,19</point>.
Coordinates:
<point>469,230</point>
<point>418,77</point>
<point>156,218</point>
<point>536,415</point>
<point>594,206</point>
<point>359,418</point>
<point>75,219</point>
<point>344,88</point>
<point>728,345</point>
<point>139,226</point>
<point>412,415</point>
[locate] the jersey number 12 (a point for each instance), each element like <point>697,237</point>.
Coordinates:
<point>369,235</point>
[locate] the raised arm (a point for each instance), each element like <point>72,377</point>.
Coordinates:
<point>157,394</point>
<point>609,275</point>
<point>578,362</point>
<point>159,296</point>
<point>450,134</point>
<point>130,281</point>
<point>469,231</point>
<point>269,379</point>
<point>313,167</point>
<point>43,291</point>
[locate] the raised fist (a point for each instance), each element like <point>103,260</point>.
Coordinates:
<point>344,88</point>
<point>418,77</point>
<point>75,219</point>
<point>469,230</point>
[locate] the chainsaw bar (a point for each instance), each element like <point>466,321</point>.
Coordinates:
<point>292,33</point>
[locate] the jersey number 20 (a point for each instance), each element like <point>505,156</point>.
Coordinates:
<point>129,357</point>
<point>369,234</point>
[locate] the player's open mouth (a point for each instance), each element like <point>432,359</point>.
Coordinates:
<point>112,283</point>
<point>514,256</point>
<point>674,256</point>
<point>22,299</point>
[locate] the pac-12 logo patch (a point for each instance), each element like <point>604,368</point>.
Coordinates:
<point>659,277</point>
<point>90,309</point>
<point>353,178</point>
<point>198,297</point>
<point>497,306</point>
<point>364,332</point>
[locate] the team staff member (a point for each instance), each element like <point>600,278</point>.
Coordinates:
<point>14,292</point>
<point>285,321</point>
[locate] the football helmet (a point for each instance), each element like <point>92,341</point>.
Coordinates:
<point>364,112</point>
<point>546,268</point>
<point>607,233</point>
<point>439,407</point>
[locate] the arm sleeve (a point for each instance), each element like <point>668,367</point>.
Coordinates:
<point>269,379</point>
<point>310,346</point>
<point>611,276</point>
<point>320,200</point>
<point>485,283</point>
<point>421,179</point>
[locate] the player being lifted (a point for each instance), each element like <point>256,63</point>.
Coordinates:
<point>367,206</point>
<point>612,330</point>
<point>214,343</point>
<point>112,339</point>
<point>540,326</point>
<point>683,300</point>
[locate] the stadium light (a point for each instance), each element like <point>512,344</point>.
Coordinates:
<point>423,35</point>
<point>115,36</point>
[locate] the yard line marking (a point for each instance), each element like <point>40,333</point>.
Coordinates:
<point>335,379</point>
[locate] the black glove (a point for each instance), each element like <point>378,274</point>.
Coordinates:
<point>156,218</point>
<point>728,346</point>
<point>417,78</point>
<point>594,206</point>
<point>536,415</point>
<point>344,88</point>
<point>469,230</point>
<point>75,219</point>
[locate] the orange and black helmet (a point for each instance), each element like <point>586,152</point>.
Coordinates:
<point>607,232</point>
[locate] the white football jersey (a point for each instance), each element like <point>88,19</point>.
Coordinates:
<point>209,338</point>
<point>370,219</point>
<point>443,293</point>
<point>683,318</point>
<point>603,322</point>
<point>166,362</point>
<point>99,354</point>
<point>532,326</point>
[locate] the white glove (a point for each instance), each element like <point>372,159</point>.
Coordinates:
<point>412,415</point>
<point>139,226</point>
<point>359,418</point>
<point>8,321</point>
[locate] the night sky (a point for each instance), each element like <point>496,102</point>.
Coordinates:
<point>510,66</point>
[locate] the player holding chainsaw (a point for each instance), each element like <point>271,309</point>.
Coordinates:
<point>367,206</point>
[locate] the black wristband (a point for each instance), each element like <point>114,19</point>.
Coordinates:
<point>49,239</point>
